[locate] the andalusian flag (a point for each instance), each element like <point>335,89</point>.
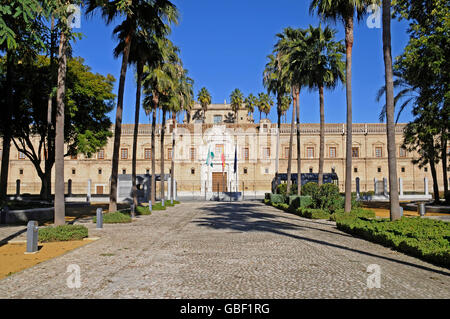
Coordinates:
<point>210,157</point>
<point>223,161</point>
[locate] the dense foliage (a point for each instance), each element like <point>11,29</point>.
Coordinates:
<point>62,233</point>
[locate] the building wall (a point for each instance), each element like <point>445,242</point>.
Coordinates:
<point>254,174</point>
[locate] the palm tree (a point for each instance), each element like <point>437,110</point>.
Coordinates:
<point>151,15</point>
<point>326,69</point>
<point>204,98</point>
<point>250,102</point>
<point>345,11</point>
<point>237,99</point>
<point>265,103</point>
<point>276,82</point>
<point>390,125</point>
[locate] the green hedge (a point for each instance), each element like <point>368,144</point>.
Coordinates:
<point>115,218</point>
<point>300,201</point>
<point>62,233</point>
<point>313,213</point>
<point>355,213</point>
<point>419,237</point>
<point>277,198</point>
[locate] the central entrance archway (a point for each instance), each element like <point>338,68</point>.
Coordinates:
<point>219,182</point>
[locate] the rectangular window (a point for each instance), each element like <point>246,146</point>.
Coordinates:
<point>378,152</point>
<point>169,154</point>
<point>266,152</point>
<point>147,153</point>
<point>355,152</point>
<point>21,155</point>
<point>402,152</point>
<point>332,152</point>
<point>124,153</point>
<point>192,154</point>
<point>217,119</point>
<point>218,152</point>
<point>246,154</point>
<point>101,154</point>
<point>310,152</point>
<point>286,152</point>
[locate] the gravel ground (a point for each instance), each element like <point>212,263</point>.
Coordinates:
<point>228,250</point>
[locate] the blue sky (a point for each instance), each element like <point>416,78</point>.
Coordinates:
<point>224,45</point>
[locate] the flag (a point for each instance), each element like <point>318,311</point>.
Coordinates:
<point>235,160</point>
<point>223,160</point>
<point>209,157</point>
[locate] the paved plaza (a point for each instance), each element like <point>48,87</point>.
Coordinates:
<point>228,250</point>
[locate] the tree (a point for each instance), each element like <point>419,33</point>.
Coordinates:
<point>250,102</point>
<point>265,103</point>
<point>88,99</point>
<point>204,98</point>
<point>150,15</point>
<point>390,125</point>
<point>325,70</point>
<point>237,99</point>
<point>344,10</point>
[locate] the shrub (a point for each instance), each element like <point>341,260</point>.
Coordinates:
<point>142,210</point>
<point>309,189</point>
<point>267,196</point>
<point>420,237</point>
<point>277,198</point>
<point>312,213</point>
<point>281,189</point>
<point>355,213</point>
<point>114,218</point>
<point>327,198</point>
<point>62,233</point>
<point>300,201</point>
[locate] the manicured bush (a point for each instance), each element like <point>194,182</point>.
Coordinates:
<point>312,213</point>
<point>300,201</point>
<point>281,189</point>
<point>310,189</point>
<point>114,218</point>
<point>327,198</point>
<point>267,196</point>
<point>62,233</point>
<point>420,237</point>
<point>277,198</point>
<point>355,213</point>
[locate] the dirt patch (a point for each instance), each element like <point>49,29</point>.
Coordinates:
<point>13,258</point>
<point>385,213</point>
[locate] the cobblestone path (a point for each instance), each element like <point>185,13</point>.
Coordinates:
<point>228,250</point>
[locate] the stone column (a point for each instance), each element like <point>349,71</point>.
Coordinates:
<point>400,183</point>
<point>425,181</point>
<point>169,193</point>
<point>375,190</point>
<point>357,187</point>
<point>175,190</point>
<point>88,196</point>
<point>385,191</point>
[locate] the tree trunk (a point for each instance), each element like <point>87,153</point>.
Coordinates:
<point>435,182</point>
<point>59,138</point>
<point>172,167</point>
<point>299,168</point>
<point>277,152</point>
<point>444,166</point>
<point>322,135</point>
<point>135,134</point>
<point>288,186</point>
<point>163,123</point>
<point>392,159</point>
<point>348,84</point>
<point>118,126</point>
<point>7,132</point>
<point>153,154</point>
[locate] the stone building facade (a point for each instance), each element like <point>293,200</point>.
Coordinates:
<point>254,145</point>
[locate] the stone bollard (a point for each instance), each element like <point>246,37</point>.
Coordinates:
<point>425,186</point>
<point>162,202</point>
<point>401,211</point>
<point>88,194</point>
<point>133,211</point>
<point>99,218</point>
<point>421,209</point>
<point>32,237</point>
<point>400,185</point>
<point>357,187</point>
<point>150,205</point>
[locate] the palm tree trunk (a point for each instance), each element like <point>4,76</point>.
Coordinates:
<point>348,84</point>
<point>153,154</point>
<point>7,133</point>
<point>444,137</point>
<point>172,165</point>
<point>392,160</point>
<point>288,186</point>
<point>59,136</point>
<point>322,135</point>
<point>277,152</point>
<point>135,133</point>
<point>163,124</point>
<point>118,126</point>
<point>299,169</point>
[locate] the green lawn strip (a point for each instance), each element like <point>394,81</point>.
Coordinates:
<point>115,218</point>
<point>419,237</point>
<point>62,233</point>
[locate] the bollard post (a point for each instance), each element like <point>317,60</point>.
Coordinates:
<point>150,205</point>
<point>421,209</point>
<point>99,218</point>
<point>32,237</point>
<point>401,211</point>
<point>132,210</point>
